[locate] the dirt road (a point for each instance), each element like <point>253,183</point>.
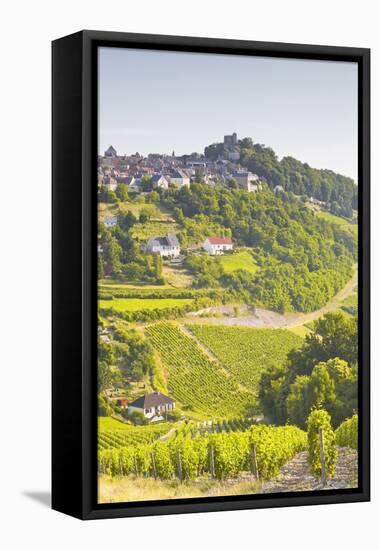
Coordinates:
<point>296,475</point>
<point>264,318</point>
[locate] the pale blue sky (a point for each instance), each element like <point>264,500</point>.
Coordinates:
<point>156,102</point>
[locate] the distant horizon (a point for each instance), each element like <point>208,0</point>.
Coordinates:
<point>183,102</point>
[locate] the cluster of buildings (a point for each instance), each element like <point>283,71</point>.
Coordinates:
<point>163,170</point>
<point>169,246</point>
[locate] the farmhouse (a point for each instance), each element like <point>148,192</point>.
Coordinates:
<point>110,221</point>
<point>217,245</point>
<point>164,246</point>
<point>152,405</point>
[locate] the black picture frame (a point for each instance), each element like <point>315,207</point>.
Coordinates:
<point>74,332</point>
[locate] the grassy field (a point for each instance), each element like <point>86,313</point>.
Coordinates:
<point>247,352</point>
<point>138,304</point>
<point>201,385</point>
<point>177,277</point>
<point>131,488</point>
<point>346,224</point>
<point>112,284</point>
<point>300,330</point>
<point>350,304</point>
<point>160,222</point>
<point>239,260</point>
<point>153,228</point>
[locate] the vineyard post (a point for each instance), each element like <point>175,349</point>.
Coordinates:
<point>322,457</point>
<point>180,471</point>
<point>154,467</point>
<point>212,461</point>
<point>254,462</point>
<point>135,465</point>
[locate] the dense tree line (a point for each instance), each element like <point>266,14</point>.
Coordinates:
<point>122,255</point>
<point>320,374</point>
<point>339,192</point>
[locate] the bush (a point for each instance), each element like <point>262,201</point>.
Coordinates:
<point>138,418</point>
<point>320,419</point>
<point>274,446</point>
<point>104,407</point>
<point>347,433</point>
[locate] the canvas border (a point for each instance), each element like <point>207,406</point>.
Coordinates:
<point>74,363</point>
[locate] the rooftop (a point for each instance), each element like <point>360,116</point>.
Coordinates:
<point>220,240</point>
<point>149,400</point>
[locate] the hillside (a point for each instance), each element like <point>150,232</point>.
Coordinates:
<point>338,192</point>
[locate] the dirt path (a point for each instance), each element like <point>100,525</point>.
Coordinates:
<point>264,318</point>
<point>168,434</point>
<point>203,347</point>
<point>296,475</point>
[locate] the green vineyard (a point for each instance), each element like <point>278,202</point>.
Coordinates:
<point>262,450</point>
<point>347,433</point>
<point>247,352</point>
<point>113,434</point>
<point>200,384</point>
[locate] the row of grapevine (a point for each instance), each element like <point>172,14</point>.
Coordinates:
<point>247,352</point>
<point>219,455</point>
<point>130,435</point>
<point>321,443</point>
<point>347,433</point>
<point>197,382</point>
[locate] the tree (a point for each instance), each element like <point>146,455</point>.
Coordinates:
<point>146,184</point>
<point>104,376</point>
<point>100,266</point>
<point>122,192</point>
<point>332,386</point>
<point>126,221</point>
<point>145,214</point>
<point>334,335</point>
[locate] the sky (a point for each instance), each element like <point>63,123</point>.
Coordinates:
<point>157,102</point>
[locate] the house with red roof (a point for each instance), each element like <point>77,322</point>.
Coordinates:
<point>217,245</point>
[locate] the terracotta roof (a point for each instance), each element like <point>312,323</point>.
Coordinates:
<point>220,240</point>
<point>149,400</point>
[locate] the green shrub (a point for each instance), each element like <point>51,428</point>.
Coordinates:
<point>274,446</point>
<point>347,433</point>
<point>320,419</point>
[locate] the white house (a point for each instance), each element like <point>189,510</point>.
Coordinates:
<point>159,182</point>
<point>217,245</point>
<point>134,185</point>
<point>165,246</point>
<point>180,178</point>
<point>247,181</point>
<point>110,221</point>
<point>152,405</point>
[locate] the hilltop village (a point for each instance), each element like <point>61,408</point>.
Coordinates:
<point>159,171</point>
